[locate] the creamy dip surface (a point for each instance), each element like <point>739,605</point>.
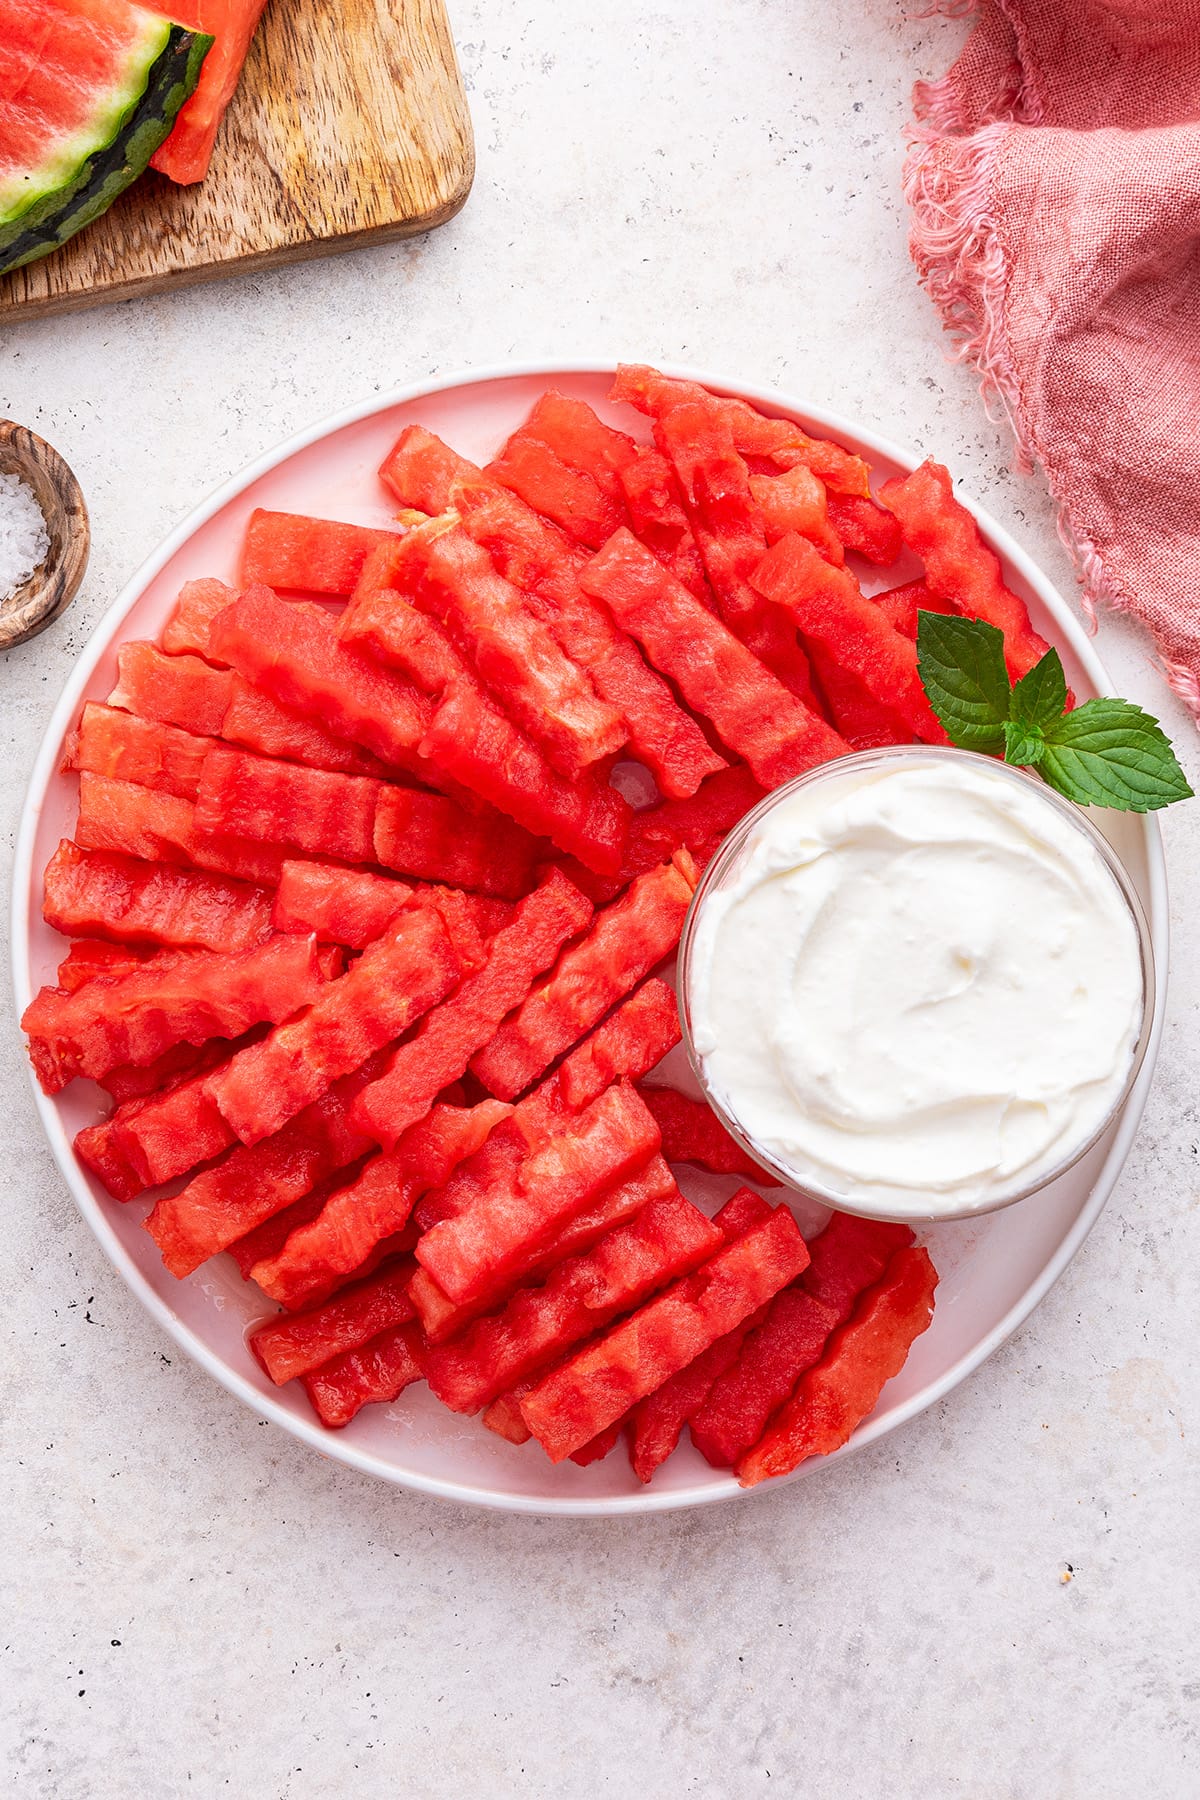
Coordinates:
<point>918,986</point>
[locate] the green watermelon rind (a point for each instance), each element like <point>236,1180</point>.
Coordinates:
<point>162,74</point>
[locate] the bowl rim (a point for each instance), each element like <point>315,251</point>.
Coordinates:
<point>337,1446</point>
<point>842,769</point>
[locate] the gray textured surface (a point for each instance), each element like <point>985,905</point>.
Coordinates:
<point>192,1604</point>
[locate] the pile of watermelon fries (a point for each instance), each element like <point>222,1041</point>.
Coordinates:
<point>367,933</point>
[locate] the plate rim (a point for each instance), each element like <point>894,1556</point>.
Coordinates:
<point>337,1446</point>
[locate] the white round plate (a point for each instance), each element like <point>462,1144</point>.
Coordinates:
<point>993,1270</point>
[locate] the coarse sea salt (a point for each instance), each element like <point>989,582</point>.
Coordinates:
<point>24,540</point>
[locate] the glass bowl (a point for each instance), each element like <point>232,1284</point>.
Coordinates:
<point>724,868</point>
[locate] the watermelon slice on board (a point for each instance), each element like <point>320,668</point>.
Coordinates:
<point>186,153</point>
<point>88,91</point>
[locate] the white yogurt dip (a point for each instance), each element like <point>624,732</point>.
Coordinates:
<point>917,986</point>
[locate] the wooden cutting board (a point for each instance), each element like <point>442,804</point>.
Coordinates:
<point>349,127</point>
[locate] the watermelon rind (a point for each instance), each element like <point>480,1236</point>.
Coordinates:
<point>82,178</point>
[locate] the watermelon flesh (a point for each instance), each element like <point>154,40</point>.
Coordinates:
<point>88,91</point>
<point>231,23</point>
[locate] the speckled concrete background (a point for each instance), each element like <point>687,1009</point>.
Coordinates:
<point>193,1604</point>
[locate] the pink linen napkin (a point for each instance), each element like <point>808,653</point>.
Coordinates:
<point>1054,178</point>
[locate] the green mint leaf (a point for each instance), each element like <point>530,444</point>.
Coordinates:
<point>961,664</point>
<point>1039,697</point>
<point>1111,753</point>
<point>1023,744</point>
<point>1105,753</point>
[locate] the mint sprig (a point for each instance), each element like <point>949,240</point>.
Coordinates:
<point>1103,753</point>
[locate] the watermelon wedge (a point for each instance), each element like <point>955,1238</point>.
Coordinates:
<point>185,155</point>
<point>88,91</point>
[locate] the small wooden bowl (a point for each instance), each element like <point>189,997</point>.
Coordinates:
<point>52,587</point>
